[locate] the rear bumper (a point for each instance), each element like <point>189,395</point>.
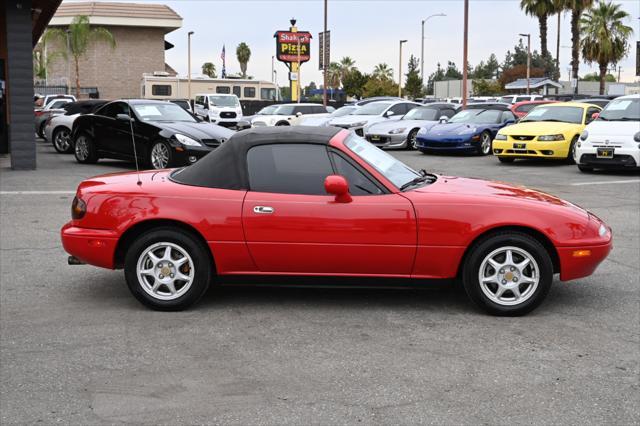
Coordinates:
<point>572,267</point>
<point>93,246</point>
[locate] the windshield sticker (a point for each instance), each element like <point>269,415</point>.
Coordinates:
<point>619,106</point>
<point>147,110</point>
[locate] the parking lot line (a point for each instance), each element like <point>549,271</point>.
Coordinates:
<point>605,182</point>
<point>37,192</point>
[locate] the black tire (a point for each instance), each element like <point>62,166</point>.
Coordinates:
<point>516,243</point>
<point>41,130</point>
<point>200,262</point>
<point>84,149</point>
<point>485,147</point>
<point>506,159</point>
<point>160,156</point>
<point>411,140</point>
<point>572,148</point>
<point>282,123</point>
<point>61,140</point>
<point>585,169</point>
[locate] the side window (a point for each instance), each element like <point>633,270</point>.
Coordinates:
<point>289,168</point>
<point>225,90</point>
<point>590,112</point>
<point>359,184</point>
<point>508,115</point>
<point>237,91</point>
<point>113,109</point>
<point>447,113</point>
<point>200,100</point>
<point>249,92</point>
<point>319,109</point>
<point>409,107</point>
<point>398,109</point>
<point>521,99</point>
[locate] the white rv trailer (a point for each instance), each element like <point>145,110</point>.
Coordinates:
<point>162,86</point>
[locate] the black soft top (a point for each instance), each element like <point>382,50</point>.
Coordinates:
<point>226,167</point>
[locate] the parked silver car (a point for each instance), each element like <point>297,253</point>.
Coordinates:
<point>373,113</point>
<point>53,108</point>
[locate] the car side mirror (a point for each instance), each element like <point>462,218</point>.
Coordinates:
<point>595,115</point>
<point>124,117</point>
<point>337,185</point>
<point>389,114</point>
<point>443,119</point>
<point>298,114</point>
<point>205,106</point>
<point>510,121</point>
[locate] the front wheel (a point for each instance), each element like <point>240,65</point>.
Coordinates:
<point>572,151</point>
<point>485,143</point>
<point>412,142</point>
<point>167,269</point>
<point>85,149</point>
<point>508,274</point>
<point>160,155</point>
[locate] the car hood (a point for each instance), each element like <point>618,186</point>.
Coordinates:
<point>603,128</point>
<point>199,130</point>
<point>540,128</point>
<point>453,129</point>
<point>500,190</point>
<point>383,127</point>
<point>350,119</point>
<point>315,121</point>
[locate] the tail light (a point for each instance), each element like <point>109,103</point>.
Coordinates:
<point>38,113</point>
<point>78,208</point>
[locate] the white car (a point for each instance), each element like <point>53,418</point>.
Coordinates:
<point>291,114</point>
<point>221,109</point>
<point>612,141</point>
<point>325,119</point>
<point>373,112</point>
<point>57,128</point>
<point>514,99</point>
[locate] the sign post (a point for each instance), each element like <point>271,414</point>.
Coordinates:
<point>293,47</point>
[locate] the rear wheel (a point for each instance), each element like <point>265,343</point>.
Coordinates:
<point>168,269</point>
<point>41,130</point>
<point>572,151</point>
<point>506,159</point>
<point>485,143</point>
<point>85,149</point>
<point>508,274</point>
<point>61,141</point>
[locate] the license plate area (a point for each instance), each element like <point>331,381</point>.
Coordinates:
<point>604,152</point>
<point>375,138</point>
<point>519,146</point>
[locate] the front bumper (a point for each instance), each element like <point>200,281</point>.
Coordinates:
<point>183,156</point>
<point>463,145</point>
<point>93,246</point>
<point>623,158</point>
<point>532,149</point>
<point>573,267</point>
<point>387,140</point>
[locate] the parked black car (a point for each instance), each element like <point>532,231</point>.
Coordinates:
<point>165,135</point>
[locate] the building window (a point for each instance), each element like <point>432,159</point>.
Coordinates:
<point>249,92</point>
<point>224,90</point>
<point>268,94</point>
<point>161,90</point>
<point>236,91</point>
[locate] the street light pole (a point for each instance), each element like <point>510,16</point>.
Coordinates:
<point>465,59</point>
<point>422,45</point>
<point>528,36</point>
<point>189,34</point>
<point>400,70</point>
<point>324,60</point>
<point>272,66</point>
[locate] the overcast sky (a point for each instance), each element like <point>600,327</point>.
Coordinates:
<point>366,30</point>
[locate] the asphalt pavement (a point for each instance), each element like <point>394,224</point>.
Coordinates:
<point>77,348</point>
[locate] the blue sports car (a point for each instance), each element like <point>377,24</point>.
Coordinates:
<point>471,130</point>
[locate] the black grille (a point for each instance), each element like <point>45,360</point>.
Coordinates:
<point>617,160</point>
<point>523,137</point>
<point>429,144</point>
<point>379,139</point>
<point>359,132</point>
<point>228,114</point>
<point>213,143</point>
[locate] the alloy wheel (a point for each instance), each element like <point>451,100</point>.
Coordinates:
<point>413,140</point>
<point>61,140</point>
<point>165,271</point>
<point>159,156</point>
<point>82,148</point>
<point>509,276</point>
<point>486,143</point>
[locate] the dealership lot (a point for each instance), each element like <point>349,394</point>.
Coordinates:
<point>76,347</point>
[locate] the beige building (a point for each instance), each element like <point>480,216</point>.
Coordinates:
<point>139,31</point>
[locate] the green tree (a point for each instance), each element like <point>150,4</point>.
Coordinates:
<point>243,53</point>
<point>333,75</point>
<point>42,57</point>
<point>376,86</point>
<point>413,84</point>
<point>78,38</point>
<point>594,76</point>
<point>354,83</point>
<point>486,70</point>
<point>382,70</point>
<point>209,69</point>
<point>452,72</point>
<point>540,9</point>
<point>486,87</point>
<point>576,7</point>
<point>346,65</point>
<point>605,39</point>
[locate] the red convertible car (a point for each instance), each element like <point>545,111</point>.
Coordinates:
<point>322,201</point>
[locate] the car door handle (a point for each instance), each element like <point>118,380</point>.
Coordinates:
<point>263,209</point>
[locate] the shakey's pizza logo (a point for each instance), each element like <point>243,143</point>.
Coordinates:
<point>287,46</point>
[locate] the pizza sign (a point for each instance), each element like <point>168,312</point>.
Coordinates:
<point>287,46</point>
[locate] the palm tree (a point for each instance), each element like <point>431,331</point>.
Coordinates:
<point>243,53</point>
<point>77,38</point>
<point>42,57</point>
<point>577,7</point>
<point>540,9</point>
<point>333,75</point>
<point>209,69</point>
<point>605,39</point>
<point>346,66</point>
<point>383,72</point>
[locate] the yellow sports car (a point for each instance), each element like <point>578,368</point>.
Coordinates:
<point>548,131</point>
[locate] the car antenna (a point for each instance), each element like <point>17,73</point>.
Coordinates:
<point>133,141</point>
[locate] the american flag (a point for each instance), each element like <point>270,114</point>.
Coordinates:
<point>222,56</point>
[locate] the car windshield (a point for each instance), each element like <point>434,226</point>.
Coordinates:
<point>268,110</point>
<point>374,108</point>
<point>284,110</point>
<point>563,114</point>
<point>223,101</point>
<point>424,113</point>
<point>477,116</point>
<point>397,172</point>
<point>341,112</point>
<point>162,112</point>
<point>621,110</point>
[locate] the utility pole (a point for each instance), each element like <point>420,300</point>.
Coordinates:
<point>299,81</point>
<point>400,70</point>
<point>273,58</point>
<point>189,34</point>
<point>528,36</point>
<point>422,45</point>
<point>465,59</point>
<point>324,60</point>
